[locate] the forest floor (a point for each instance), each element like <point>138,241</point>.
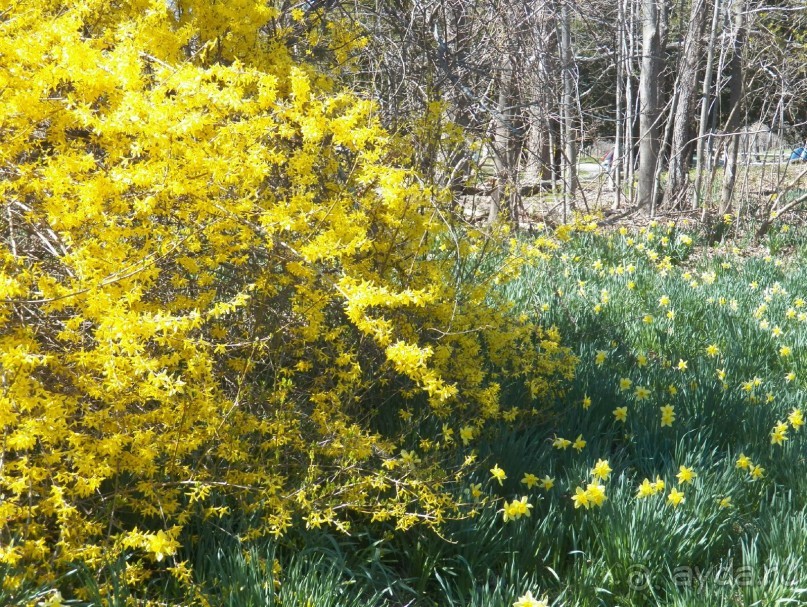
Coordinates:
<point>758,184</point>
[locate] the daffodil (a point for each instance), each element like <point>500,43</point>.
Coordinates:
<point>685,475</point>
<point>579,443</point>
<point>498,474</point>
<point>779,433</point>
<point>621,414</point>
<point>646,489</point>
<point>530,480</point>
<point>467,434</point>
<point>516,509</point>
<point>161,545</point>
<point>667,415</point>
<point>796,418</point>
<point>561,443</point>
<point>675,497</point>
<point>743,461</point>
<point>601,469</point>
<point>580,498</point>
<point>595,492</point>
<point>757,472</point>
<point>528,600</point>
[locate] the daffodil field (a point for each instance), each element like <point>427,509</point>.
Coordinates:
<point>249,356</point>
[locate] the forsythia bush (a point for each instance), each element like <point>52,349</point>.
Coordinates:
<point>215,284</point>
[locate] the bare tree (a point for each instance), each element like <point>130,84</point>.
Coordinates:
<point>683,106</point>
<point>706,92</point>
<point>528,82</point>
<point>648,94</point>
<point>735,105</point>
<point>567,110</point>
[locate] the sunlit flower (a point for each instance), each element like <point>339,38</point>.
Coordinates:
<point>595,492</point>
<point>528,600</point>
<point>757,472</point>
<point>498,474</point>
<point>409,457</point>
<point>675,497</point>
<point>579,443</point>
<point>796,418</point>
<point>601,469</point>
<point>516,509</point>
<point>561,443</point>
<point>580,498</point>
<point>621,414</point>
<point>779,433</point>
<point>467,434</point>
<point>685,475</point>
<point>646,489</point>
<point>667,415</point>
<point>530,480</point>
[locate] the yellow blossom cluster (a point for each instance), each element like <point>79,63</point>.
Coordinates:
<point>212,274</point>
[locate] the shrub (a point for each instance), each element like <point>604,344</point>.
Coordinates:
<point>217,284</point>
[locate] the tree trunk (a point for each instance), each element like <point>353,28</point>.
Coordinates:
<point>569,138</point>
<point>615,169</point>
<point>684,102</point>
<point>630,50</point>
<point>503,144</point>
<point>705,102</point>
<point>735,103</point>
<point>648,94</point>
<point>542,78</point>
